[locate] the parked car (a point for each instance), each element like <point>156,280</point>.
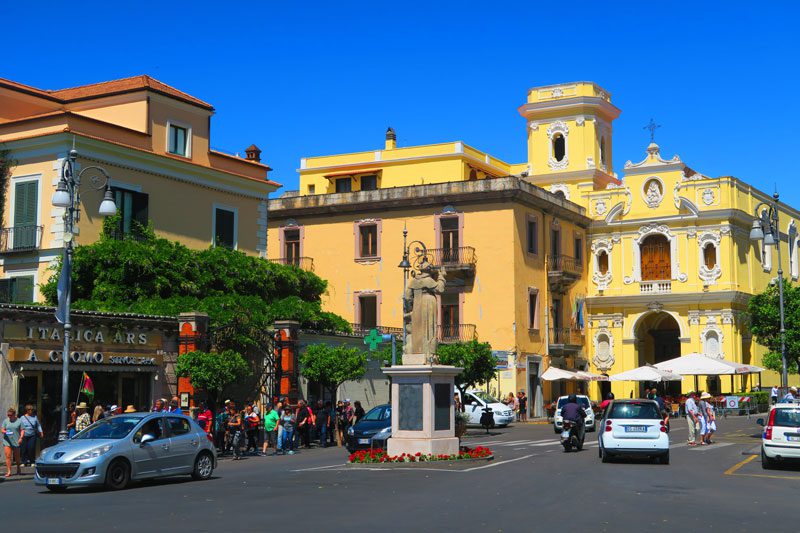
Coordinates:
<point>476,401</point>
<point>372,431</point>
<point>633,428</point>
<point>780,439</point>
<point>587,406</point>
<point>114,451</point>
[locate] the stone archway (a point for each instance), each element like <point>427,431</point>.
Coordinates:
<point>658,339</point>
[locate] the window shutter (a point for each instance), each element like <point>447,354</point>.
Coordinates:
<point>22,289</point>
<point>5,290</point>
<point>25,209</point>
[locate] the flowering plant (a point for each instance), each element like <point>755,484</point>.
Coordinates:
<point>380,456</point>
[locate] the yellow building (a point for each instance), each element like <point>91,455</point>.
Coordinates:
<point>153,140</point>
<point>661,257</point>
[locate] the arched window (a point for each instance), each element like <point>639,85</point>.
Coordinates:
<point>602,262</point>
<point>561,195</point>
<point>559,147</point>
<point>473,175</point>
<point>710,255</point>
<point>655,258</point>
<point>712,344</point>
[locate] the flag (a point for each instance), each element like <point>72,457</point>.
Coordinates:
<point>88,386</point>
<point>63,289</point>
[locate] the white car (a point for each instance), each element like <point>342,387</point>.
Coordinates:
<point>584,402</point>
<point>634,428</point>
<point>476,401</point>
<point>781,437</point>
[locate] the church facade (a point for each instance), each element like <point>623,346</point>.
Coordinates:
<point>555,261</point>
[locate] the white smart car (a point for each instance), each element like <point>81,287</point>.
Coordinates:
<point>781,437</point>
<point>633,428</point>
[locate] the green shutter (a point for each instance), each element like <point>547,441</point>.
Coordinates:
<point>22,289</point>
<point>25,208</point>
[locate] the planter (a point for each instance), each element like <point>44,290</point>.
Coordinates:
<point>461,427</point>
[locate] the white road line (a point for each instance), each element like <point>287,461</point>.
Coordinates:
<point>490,465</point>
<point>318,468</point>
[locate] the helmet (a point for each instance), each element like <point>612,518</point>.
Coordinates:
<point>610,396</point>
<point>572,399</point>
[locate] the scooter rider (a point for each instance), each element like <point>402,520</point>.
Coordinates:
<point>574,412</point>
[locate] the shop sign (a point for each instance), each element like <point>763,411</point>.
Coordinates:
<point>114,339</point>
<point>79,357</point>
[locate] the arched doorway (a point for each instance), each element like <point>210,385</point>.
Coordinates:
<point>658,339</point>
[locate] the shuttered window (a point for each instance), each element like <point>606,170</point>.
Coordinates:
<point>17,290</point>
<point>132,208</point>
<point>26,202</point>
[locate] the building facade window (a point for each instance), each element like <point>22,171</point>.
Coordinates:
<point>132,210</point>
<point>533,308</point>
<point>532,235</point>
<point>656,262</point>
<point>367,310</point>
<point>578,249</point>
<point>26,214</point>
<point>602,262</point>
<point>603,156</point>
<point>367,239</point>
<point>710,255</point>
<point>178,140</point>
<point>369,182</point>
<point>312,189</point>
<point>291,246</point>
<point>451,314</point>
<point>344,184</point>
<point>225,227</point>
<point>559,147</point>
<point>17,290</point>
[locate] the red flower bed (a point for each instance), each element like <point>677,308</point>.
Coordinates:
<point>380,456</point>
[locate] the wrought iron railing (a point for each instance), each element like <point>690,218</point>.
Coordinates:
<point>362,329</point>
<point>448,333</point>
<point>566,337</point>
<point>20,238</point>
<point>564,264</point>
<point>303,263</point>
<point>461,257</point>
<point>134,235</point>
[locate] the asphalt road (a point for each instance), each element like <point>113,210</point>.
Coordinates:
<point>532,485</point>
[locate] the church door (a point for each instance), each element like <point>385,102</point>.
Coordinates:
<point>656,263</point>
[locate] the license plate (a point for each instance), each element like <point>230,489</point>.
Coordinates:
<point>363,441</point>
<point>565,434</point>
<point>635,429</point>
<point>54,481</point>
<point>792,438</point>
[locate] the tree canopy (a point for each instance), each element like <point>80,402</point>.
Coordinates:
<point>474,357</point>
<point>152,275</point>
<point>333,365</point>
<point>765,324</point>
<point>212,372</point>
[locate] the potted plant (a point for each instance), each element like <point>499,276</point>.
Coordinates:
<point>461,423</point>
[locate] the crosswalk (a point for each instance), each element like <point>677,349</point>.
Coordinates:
<point>590,442</point>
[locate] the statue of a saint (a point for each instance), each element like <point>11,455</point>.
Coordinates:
<point>421,292</point>
<point>653,193</point>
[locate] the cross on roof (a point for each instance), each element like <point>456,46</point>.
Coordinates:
<point>373,339</point>
<point>652,126</point>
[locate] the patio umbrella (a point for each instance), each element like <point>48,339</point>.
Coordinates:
<point>555,374</point>
<point>591,377</point>
<point>646,373</point>
<point>697,364</point>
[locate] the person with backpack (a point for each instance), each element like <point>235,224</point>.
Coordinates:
<point>305,420</point>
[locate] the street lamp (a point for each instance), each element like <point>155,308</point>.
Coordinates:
<point>421,251</point>
<point>766,227</point>
<point>67,195</point>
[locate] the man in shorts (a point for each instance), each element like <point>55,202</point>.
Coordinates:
<point>271,418</point>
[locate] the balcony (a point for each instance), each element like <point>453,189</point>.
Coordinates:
<point>20,239</point>
<point>655,287</point>
<point>461,258</point>
<point>303,263</point>
<point>362,330</point>
<point>451,333</point>
<point>563,271</point>
<point>565,341</point>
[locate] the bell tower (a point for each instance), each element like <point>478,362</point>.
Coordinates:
<point>569,133</point>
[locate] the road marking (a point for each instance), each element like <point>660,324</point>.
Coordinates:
<point>379,469</point>
<point>712,447</point>
<point>493,464</point>
<point>732,470</point>
<point>318,468</point>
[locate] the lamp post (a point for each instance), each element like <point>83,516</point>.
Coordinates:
<point>421,251</point>
<point>766,228</point>
<point>67,195</point>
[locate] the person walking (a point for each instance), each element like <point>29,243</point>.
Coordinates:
<point>710,419</point>
<point>322,421</point>
<point>773,394</point>
<point>692,418</point>
<point>73,417</point>
<point>331,423</point>
<point>523,407</point>
<point>288,422</point>
<point>235,431</point>
<point>304,419</point>
<point>271,419</point>
<point>358,411</point>
<point>702,407</point>
<point>83,420</point>
<point>12,439</point>
<point>31,433</point>
<point>251,424</point>
<point>341,423</point>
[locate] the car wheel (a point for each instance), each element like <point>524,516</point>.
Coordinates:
<point>56,488</point>
<point>203,466</point>
<point>118,475</point>
<point>605,457</point>
<point>664,459</point>
<point>767,463</point>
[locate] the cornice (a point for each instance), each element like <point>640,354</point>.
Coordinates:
<point>681,298</point>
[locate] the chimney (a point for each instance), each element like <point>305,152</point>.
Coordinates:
<point>391,139</point>
<point>252,153</point>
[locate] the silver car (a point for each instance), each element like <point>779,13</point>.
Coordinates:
<point>126,447</point>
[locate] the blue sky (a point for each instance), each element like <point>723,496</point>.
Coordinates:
<point>315,78</point>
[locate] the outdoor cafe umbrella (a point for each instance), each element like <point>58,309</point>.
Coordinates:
<point>646,373</point>
<point>555,374</point>
<point>697,364</point>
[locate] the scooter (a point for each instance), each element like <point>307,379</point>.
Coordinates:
<point>570,436</point>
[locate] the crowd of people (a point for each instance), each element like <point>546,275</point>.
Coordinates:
<point>519,404</point>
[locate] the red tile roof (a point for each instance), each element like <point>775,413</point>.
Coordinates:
<point>107,88</point>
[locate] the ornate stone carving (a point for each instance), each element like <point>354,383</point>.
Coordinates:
<point>708,196</point>
<point>560,187</point>
<point>727,316</point>
<point>711,338</point>
<point>655,306</point>
<point>580,120</point>
<point>422,292</point>
<point>561,127</point>
<point>653,192</point>
<point>603,350</point>
<point>694,318</point>
<point>557,92</point>
<point>590,163</point>
<point>534,126</point>
<point>691,233</point>
<point>616,238</point>
<point>653,158</point>
<point>617,321</point>
<point>709,276</point>
<point>600,207</point>
<point>601,280</point>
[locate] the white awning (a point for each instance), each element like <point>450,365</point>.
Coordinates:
<point>646,373</point>
<point>697,364</point>
<point>555,374</point>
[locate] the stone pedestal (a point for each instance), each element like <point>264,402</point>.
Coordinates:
<point>423,413</point>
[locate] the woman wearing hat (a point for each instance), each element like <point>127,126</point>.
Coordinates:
<point>702,405</point>
<point>710,418</point>
<point>130,409</point>
<point>84,420</point>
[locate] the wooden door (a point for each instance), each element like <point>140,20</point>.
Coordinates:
<point>656,264</point>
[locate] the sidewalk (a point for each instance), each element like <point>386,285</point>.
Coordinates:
<point>27,475</point>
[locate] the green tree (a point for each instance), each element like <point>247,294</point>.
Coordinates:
<point>212,372</point>
<point>474,357</point>
<point>333,365</point>
<point>765,324</point>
